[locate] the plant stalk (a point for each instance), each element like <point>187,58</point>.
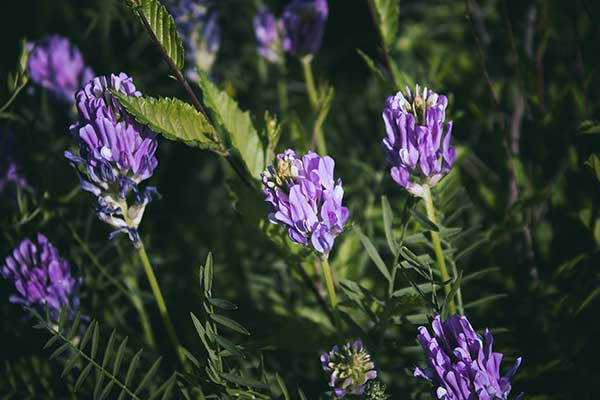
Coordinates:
<point>160,301</point>
<point>313,97</point>
<point>437,246</point>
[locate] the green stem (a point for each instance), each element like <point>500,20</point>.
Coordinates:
<point>313,97</point>
<point>160,301</point>
<point>310,82</point>
<point>437,245</point>
<point>329,281</point>
<point>282,91</point>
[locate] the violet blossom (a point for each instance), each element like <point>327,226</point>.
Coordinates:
<point>41,277</point>
<point>415,143</point>
<point>58,66</point>
<point>268,35</point>
<point>304,25</point>
<point>116,154</point>
<point>197,23</point>
<point>461,364</point>
<point>304,197</point>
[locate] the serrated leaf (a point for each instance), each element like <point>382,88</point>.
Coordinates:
<point>229,323</point>
<point>163,28</point>
<point>238,125</point>
<point>375,257</point>
<point>388,12</point>
<point>174,119</point>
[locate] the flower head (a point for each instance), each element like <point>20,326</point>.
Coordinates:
<point>115,152</point>
<point>267,30</point>
<point>41,276</point>
<point>303,196</point>
<point>57,65</point>
<point>461,363</point>
<point>304,24</point>
<point>197,22</point>
<point>10,171</point>
<point>414,143</point>
<point>349,368</point>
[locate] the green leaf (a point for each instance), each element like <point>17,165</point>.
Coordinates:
<point>388,12</point>
<point>594,163</point>
<point>589,127</point>
<point>174,119</point>
<point>208,274</point>
<point>243,381</point>
<point>238,125</point>
<point>222,304</point>
<point>485,300</point>
<point>388,218</point>
<point>149,375</point>
<point>84,374</point>
<point>374,255</point>
<point>282,386</point>
<point>229,323</point>
<point>371,65</point>
<point>423,220</point>
<point>162,26</point>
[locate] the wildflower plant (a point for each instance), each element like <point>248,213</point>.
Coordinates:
<point>264,164</point>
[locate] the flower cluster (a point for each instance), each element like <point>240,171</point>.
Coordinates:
<point>461,364</point>
<point>303,196</point>
<point>41,276</point>
<point>57,65</point>
<point>197,22</point>
<point>349,368</point>
<point>10,173</point>
<point>115,152</point>
<point>414,145</point>
<point>299,31</point>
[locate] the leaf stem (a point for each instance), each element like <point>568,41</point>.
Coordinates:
<point>160,301</point>
<point>437,246</point>
<point>328,274</point>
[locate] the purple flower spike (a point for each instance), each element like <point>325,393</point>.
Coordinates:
<point>304,24</point>
<point>349,368</point>
<point>41,277</point>
<point>58,66</point>
<point>303,196</point>
<point>115,153</point>
<point>461,364</point>
<point>415,143</point>
<point>267,30</point>
<point>197,23</point>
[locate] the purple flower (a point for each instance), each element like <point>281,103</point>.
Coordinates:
<point>461,364</point>
<point>414,144</point>
<point>304,24</point>
<point>10,171</point>
<point>57,65</point>
<point>267,30</point>
<point>349,368</point>
<point>303,196</point>
<point>115,153</point>
<point>41,277</point>
<point>197,23</point>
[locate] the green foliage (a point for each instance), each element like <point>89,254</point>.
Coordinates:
<point>237,124</point>
<point>161,26</point>
<point>80,349</point>
<point>174,119</point>
<point>387,12</point>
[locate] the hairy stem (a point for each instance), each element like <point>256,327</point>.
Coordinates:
<point>437,246</point>
<point>160,301</point>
